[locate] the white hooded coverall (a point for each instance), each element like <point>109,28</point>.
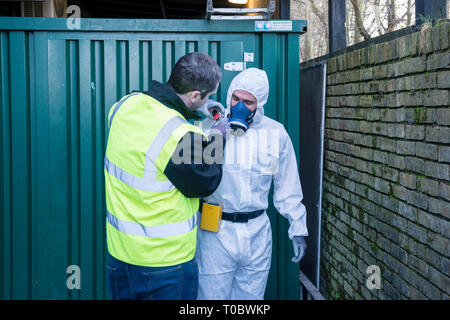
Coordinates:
<point>234,263</point>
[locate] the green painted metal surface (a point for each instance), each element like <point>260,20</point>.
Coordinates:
<point>57,86</point>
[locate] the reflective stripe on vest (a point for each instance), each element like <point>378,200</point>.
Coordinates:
<point>149,181</point>
<point>118,104</point>
<point>159,231</point>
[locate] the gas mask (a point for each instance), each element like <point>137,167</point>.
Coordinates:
<point>240,118</point>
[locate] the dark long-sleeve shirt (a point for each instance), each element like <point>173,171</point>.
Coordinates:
<point>194,178</point>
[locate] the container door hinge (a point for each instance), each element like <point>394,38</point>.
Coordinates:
<point>234,66</point>
<point>240,66</point>
<point>249,56</point>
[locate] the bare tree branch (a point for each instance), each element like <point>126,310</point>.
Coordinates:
<point>322,16</point>
<point>309,37</point>
<point>371,24</point>
<point>409,13</point>
<point>374,17</point>
<point>400,19</point>
<point>391,15</point>
<point>376,10</point>
<point>359,22</point>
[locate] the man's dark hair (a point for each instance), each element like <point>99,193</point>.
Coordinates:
<point>195,72</point>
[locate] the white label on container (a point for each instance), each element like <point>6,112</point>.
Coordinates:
<point>273,25</point>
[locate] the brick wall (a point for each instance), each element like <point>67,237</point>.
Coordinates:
<point>386,183</point>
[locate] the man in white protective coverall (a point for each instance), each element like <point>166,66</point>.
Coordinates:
<point>234,262</point>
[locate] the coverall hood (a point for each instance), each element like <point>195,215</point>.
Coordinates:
<point>254,81</point>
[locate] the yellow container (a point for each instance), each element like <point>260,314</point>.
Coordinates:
<point>211,216</point>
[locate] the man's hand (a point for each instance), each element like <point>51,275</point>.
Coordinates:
<point>299,245</point>
<point>222,126</point>
<point>211,109</point>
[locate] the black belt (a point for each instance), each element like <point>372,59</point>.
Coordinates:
<point>242,217</point>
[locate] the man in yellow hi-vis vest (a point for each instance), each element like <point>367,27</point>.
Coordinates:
<point>152,200</point>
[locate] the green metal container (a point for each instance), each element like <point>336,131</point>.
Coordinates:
<point>56,87</point>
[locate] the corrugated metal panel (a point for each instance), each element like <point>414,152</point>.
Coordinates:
<point>57,87</point>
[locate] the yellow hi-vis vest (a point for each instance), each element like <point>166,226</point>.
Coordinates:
<point>149,222</point>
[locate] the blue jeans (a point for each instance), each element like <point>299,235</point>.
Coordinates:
<point>130,282</point>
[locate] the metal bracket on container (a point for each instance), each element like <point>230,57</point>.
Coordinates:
<point>234,66</point>
<point>240,66</point>
<point>249,56</point>
<point>239,13</point>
